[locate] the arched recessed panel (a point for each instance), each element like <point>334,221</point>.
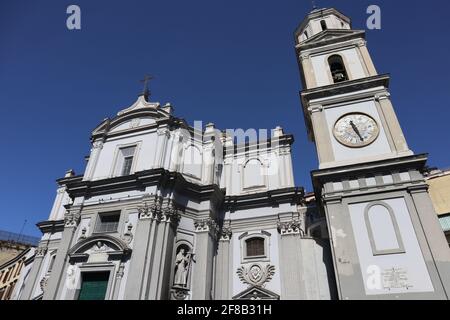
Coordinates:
<point>253,174</point>
<point>383,230</point>
<point>193,162</point>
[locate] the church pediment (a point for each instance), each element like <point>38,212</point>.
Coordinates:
<point>332,34</point>
<point>140,114</point>
<point>256,293</point>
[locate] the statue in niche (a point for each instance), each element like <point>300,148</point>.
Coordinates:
<point>182,266</point>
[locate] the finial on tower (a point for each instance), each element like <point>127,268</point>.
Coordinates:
<point>313,3</point>
<point>146,91</point>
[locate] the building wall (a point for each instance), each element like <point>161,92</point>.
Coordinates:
<point>440,192</point>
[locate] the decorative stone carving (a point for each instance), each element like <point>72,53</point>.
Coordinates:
<point>225,234</point>
<point>290,227</point>
<point>179,294</point>
<point>83,234</point>
<point>41,251</point>
<point>158,211</point>
<point>43,283</point>
<point>120,271</point>
<point>207,225</point>
<point>255,274</point>
<point>144,212</point>
<point>128,235</point>
<point>97,144</point>
<point>71,219</point>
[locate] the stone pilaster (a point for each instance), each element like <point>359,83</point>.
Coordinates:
<point>32,279</point>
<point>291,266</point>
<point>433,233</point>
<point>71,221</point>
<point>206,237</point>
<point>223,276</point>
<point>97,146</point>
<point>142,249</point>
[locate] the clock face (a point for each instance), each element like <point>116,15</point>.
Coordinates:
<point>356,130</point>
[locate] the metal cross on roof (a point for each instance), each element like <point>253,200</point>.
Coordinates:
<point>146,91</point>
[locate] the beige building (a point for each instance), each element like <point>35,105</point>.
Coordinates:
<point>439,182</point>
<point>10,273</point>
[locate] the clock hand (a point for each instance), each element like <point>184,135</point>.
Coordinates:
<point>355,128</point>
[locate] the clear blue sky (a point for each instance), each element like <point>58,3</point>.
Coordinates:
<point>228,62</point>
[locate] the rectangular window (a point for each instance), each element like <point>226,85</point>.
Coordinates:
<point>255,247</point>
<point>125,161</point>
<point>52,262</point>
<point>93,285</point>
<point>107,222</point>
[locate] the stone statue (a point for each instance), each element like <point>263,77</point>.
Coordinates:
<point>182,264</point>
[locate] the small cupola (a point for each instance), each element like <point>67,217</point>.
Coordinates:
<point>320,20</point>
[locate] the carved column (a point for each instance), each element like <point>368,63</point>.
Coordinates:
<point>206,236</point>
<point>223,266</point>
<point>291,266</point>
<point>71,221</point>
<point>32,278</point>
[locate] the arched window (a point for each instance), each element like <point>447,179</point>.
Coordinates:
<point>255,247</point>
<point>337,68</point>
<point>323,24</point>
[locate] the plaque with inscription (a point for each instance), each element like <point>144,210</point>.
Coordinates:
<point>395,278</point>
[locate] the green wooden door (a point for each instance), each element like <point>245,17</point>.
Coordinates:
<point>94,285</point>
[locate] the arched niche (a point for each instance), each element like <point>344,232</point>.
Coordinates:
<point>253,175</point>
<point>382,228</point>
<point>192,162</point>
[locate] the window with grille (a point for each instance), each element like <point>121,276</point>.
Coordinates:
<point>255,247</point>
<point>107,222</point>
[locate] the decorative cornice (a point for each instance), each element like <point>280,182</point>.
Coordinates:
<point>77,187</point>
<point>268,198</point>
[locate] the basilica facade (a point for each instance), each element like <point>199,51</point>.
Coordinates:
<point>165,210</point>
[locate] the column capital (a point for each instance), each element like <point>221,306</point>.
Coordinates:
<point>291,227</point>
<point>71,219</point>
<point>226,233</point>
<point>41,251</point>
<point>382,96</point>
<point>315,108</point>
<point>207,225</point>
<point>98,144</point>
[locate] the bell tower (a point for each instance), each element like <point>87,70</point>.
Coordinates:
<point>385,237</point>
